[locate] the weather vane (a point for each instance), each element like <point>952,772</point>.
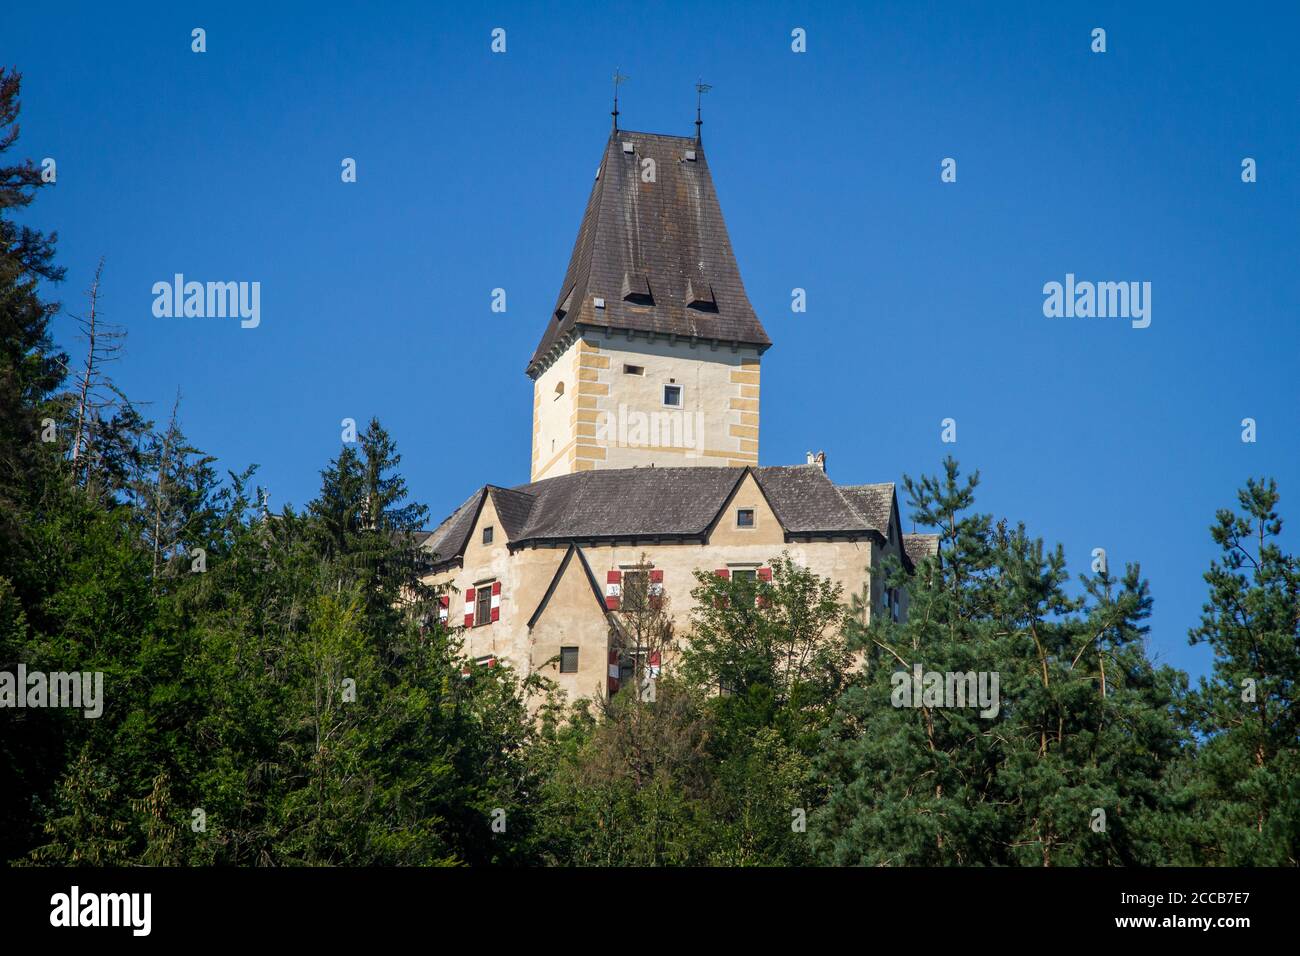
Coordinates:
<point>700,89</point>
<point>618,79</point>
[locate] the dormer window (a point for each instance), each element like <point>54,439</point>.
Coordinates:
<point>636,289</point>
<point>744,517</point>
<point>699,295</point>
<point>487,535</point>
<point>563,309</point>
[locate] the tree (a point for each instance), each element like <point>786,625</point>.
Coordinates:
<point>1061,762</point>
<point>633,788</point>
<point>31,369</point>
<point>1248,768</point>
<point>775,649</point>
<point>644,632</point>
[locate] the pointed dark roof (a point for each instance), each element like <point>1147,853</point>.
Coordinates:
<point>657,253</point>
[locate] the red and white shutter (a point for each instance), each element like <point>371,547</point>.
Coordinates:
<point>613,673</point>
<point>496,600</point>
<point>656,587</point>
<point>469,607</point>
<point>654,664</point>
<point>613,591</point>
<point>764,574</point>
<point>444,608</point>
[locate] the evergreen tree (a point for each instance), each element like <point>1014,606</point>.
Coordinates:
<point>1064,766</point>
<point>1247,771</point>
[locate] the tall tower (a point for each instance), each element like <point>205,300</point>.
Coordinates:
<point>651,356</point>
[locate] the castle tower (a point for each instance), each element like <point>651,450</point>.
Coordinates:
<point>651,356</point>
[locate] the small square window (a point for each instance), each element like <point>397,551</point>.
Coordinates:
<point>673,396</point>
<point>487,535</point>
<point>745,518</point>
<point>568,660</point>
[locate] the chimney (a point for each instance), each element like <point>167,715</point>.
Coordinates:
<point>811,459</point>
<point>820,460</point>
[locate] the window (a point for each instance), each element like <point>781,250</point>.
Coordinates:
<point>890,601</point>
<point>483,605</point>
<point>636,586</point>
<point>633,369</point>
<point>673,396</point>
<point>745,518</point>
<point>487,535</point>
<point>632,665</point>
<point>747,581</point>
<point>568,660</point>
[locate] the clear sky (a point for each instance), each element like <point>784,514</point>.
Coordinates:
<point>924,298</point>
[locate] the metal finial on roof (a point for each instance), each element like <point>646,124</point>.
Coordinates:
<point>700,89</point>
<point>618,79</point>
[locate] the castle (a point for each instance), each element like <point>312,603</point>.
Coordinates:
<point>646,387</point>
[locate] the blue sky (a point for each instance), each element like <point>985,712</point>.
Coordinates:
<point>924,298</point>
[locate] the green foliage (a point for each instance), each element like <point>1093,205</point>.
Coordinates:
<point>289,698</point>
<point>1085,724</point>
<point>1247,772</point>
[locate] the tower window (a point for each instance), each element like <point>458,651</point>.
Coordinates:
<point>487,535</point>
<point>568,660</point>
<point>633,369</point>
<point>745,518</point>
<point>673,396</point>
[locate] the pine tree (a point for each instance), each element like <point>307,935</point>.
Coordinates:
<point>1064,765</point>
<point>1248,769</point>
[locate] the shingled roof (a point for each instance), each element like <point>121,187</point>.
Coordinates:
<point>874,502</point>
<point>918,547</point>
<point>649,503</point>
<point>657,253</point>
